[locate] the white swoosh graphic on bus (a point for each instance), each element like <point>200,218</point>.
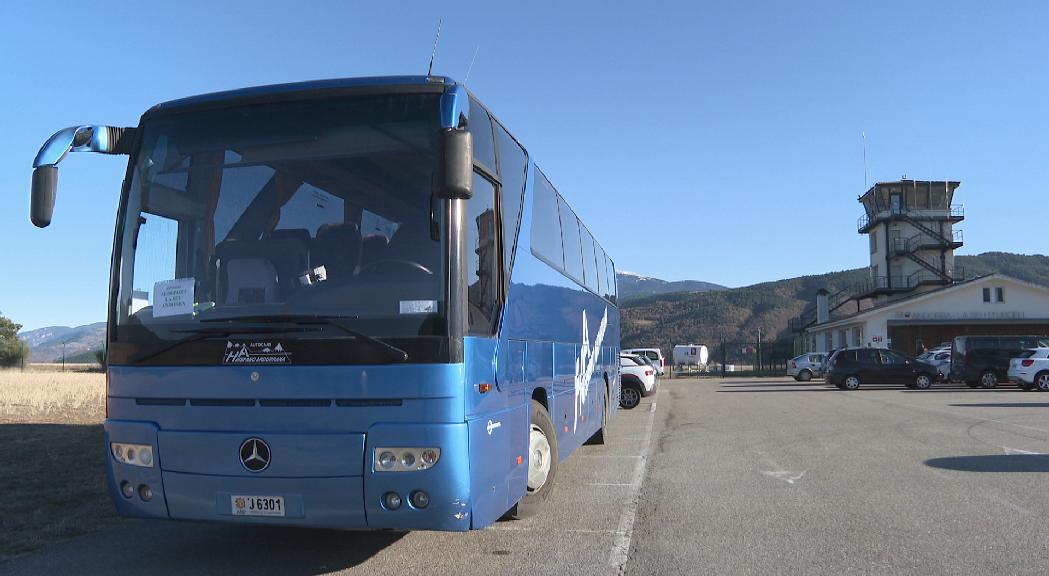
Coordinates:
<point>585,364</point>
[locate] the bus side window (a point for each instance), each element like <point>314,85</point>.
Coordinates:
<point>546,226</point>
<point>513,168</point>
<point>481,128</point>
<point>482,257</point>
<point>570,239</point>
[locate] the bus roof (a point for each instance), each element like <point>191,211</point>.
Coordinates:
<point>308,86</point>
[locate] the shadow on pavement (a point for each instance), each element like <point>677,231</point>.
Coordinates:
<point>164,547</point>
<point>993,463</point>
<point>1005,405</point>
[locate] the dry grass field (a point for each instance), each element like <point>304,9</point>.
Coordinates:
<point>51,460</point>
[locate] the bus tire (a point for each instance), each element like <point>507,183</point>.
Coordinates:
<point>598,439</point>
<point>542,461</point>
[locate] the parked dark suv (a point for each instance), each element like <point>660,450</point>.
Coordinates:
<point>983,361</point>
<point>849,367</point>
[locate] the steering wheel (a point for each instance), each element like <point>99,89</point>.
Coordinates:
<point>397,261</point>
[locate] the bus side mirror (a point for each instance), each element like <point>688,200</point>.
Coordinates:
<point>87,138</point>
<point>45,182</point>
<point>455,174</point>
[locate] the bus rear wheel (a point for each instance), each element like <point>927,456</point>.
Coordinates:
<point>599,437</point>
<point>542,457</point>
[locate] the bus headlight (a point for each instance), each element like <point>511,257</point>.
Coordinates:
<point>133,454</point>
<point>405,459</point>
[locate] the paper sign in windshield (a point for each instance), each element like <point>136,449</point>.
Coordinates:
<point>418,306</point>
<point>173,297</point>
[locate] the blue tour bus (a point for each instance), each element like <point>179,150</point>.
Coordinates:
<point>348,303</point>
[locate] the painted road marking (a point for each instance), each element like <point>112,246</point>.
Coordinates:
<point>1017,451</point>
<point>620,551</point>
<point>788,476</point>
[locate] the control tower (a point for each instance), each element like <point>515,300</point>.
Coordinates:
<point>910,224</point>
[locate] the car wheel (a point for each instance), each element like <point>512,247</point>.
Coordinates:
<point>922,382</point>
<point>804,375</point>
<point>851,382</point>
<point>1041,381</point>
<point>629,396</point>
<point>988,379</point>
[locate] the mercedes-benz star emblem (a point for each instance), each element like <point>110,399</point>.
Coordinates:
<point>254,455</point>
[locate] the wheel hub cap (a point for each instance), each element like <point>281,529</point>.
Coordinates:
<point>539,462</point>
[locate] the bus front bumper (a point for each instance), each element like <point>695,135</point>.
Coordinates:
<point>324,480</point>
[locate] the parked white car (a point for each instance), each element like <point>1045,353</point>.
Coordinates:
<point>637,379</point>
<point>653,354</point>
<point>941,359</point>
<point>803,368</point>
<point>1030,370</point>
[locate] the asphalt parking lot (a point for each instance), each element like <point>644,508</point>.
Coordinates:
<point>735,476</point>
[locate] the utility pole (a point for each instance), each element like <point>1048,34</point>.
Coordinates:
<point>63,355</point>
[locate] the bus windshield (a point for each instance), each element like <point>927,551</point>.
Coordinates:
<point>315,208</point>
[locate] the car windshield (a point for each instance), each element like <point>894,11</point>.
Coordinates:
<point>320,208</point>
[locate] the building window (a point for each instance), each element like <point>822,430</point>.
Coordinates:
<point>857,336</point>
<point>874,241</point>
<point>999,294</point>
<point>986,294</point>
<point>828,338</point>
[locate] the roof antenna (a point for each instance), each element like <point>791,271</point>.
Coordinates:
<point>471,66</point>
<point>434,53</point>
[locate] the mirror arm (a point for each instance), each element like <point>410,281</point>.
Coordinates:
<point>87,138</point>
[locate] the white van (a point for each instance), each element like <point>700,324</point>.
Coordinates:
<point>653,354</point>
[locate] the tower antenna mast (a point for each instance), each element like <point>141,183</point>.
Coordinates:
<point>863,134</point>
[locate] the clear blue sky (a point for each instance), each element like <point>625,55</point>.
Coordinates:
<point>732,127</point>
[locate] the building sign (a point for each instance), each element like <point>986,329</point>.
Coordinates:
<point>963,315</point>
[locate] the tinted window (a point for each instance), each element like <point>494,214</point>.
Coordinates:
<point>982,343</point>
<point>867,355</point>
<point>890,357</point>
<point>513,167</point>
<point>602,272</point>
<point>612,287</point>
<point>570,240</point>
<point>481,127</point>
<point>482,257</point>
<point>546,225</point>
<point>589,262</point>
<point>1011,343</point>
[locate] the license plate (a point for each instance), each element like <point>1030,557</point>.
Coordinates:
<point>257,505</point>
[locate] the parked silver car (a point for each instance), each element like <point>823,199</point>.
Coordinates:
<point>804,367</point>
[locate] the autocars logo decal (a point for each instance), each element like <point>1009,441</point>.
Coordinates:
<point>255,353</point>
<point>585,364</point>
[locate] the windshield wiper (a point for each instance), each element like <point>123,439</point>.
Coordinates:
<point>198,334</point>
<point>392,352</point>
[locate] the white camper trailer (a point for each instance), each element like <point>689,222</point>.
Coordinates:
<point>690,355</point>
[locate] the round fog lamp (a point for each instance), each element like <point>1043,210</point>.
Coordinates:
<point>429,457</point>
<point>420,499</point>
<point>127,489</point>
<point>387,460</point>
<point>145,457</point>
<point>408,459</point>
<point>145,492</point>
<point>391,500</point>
